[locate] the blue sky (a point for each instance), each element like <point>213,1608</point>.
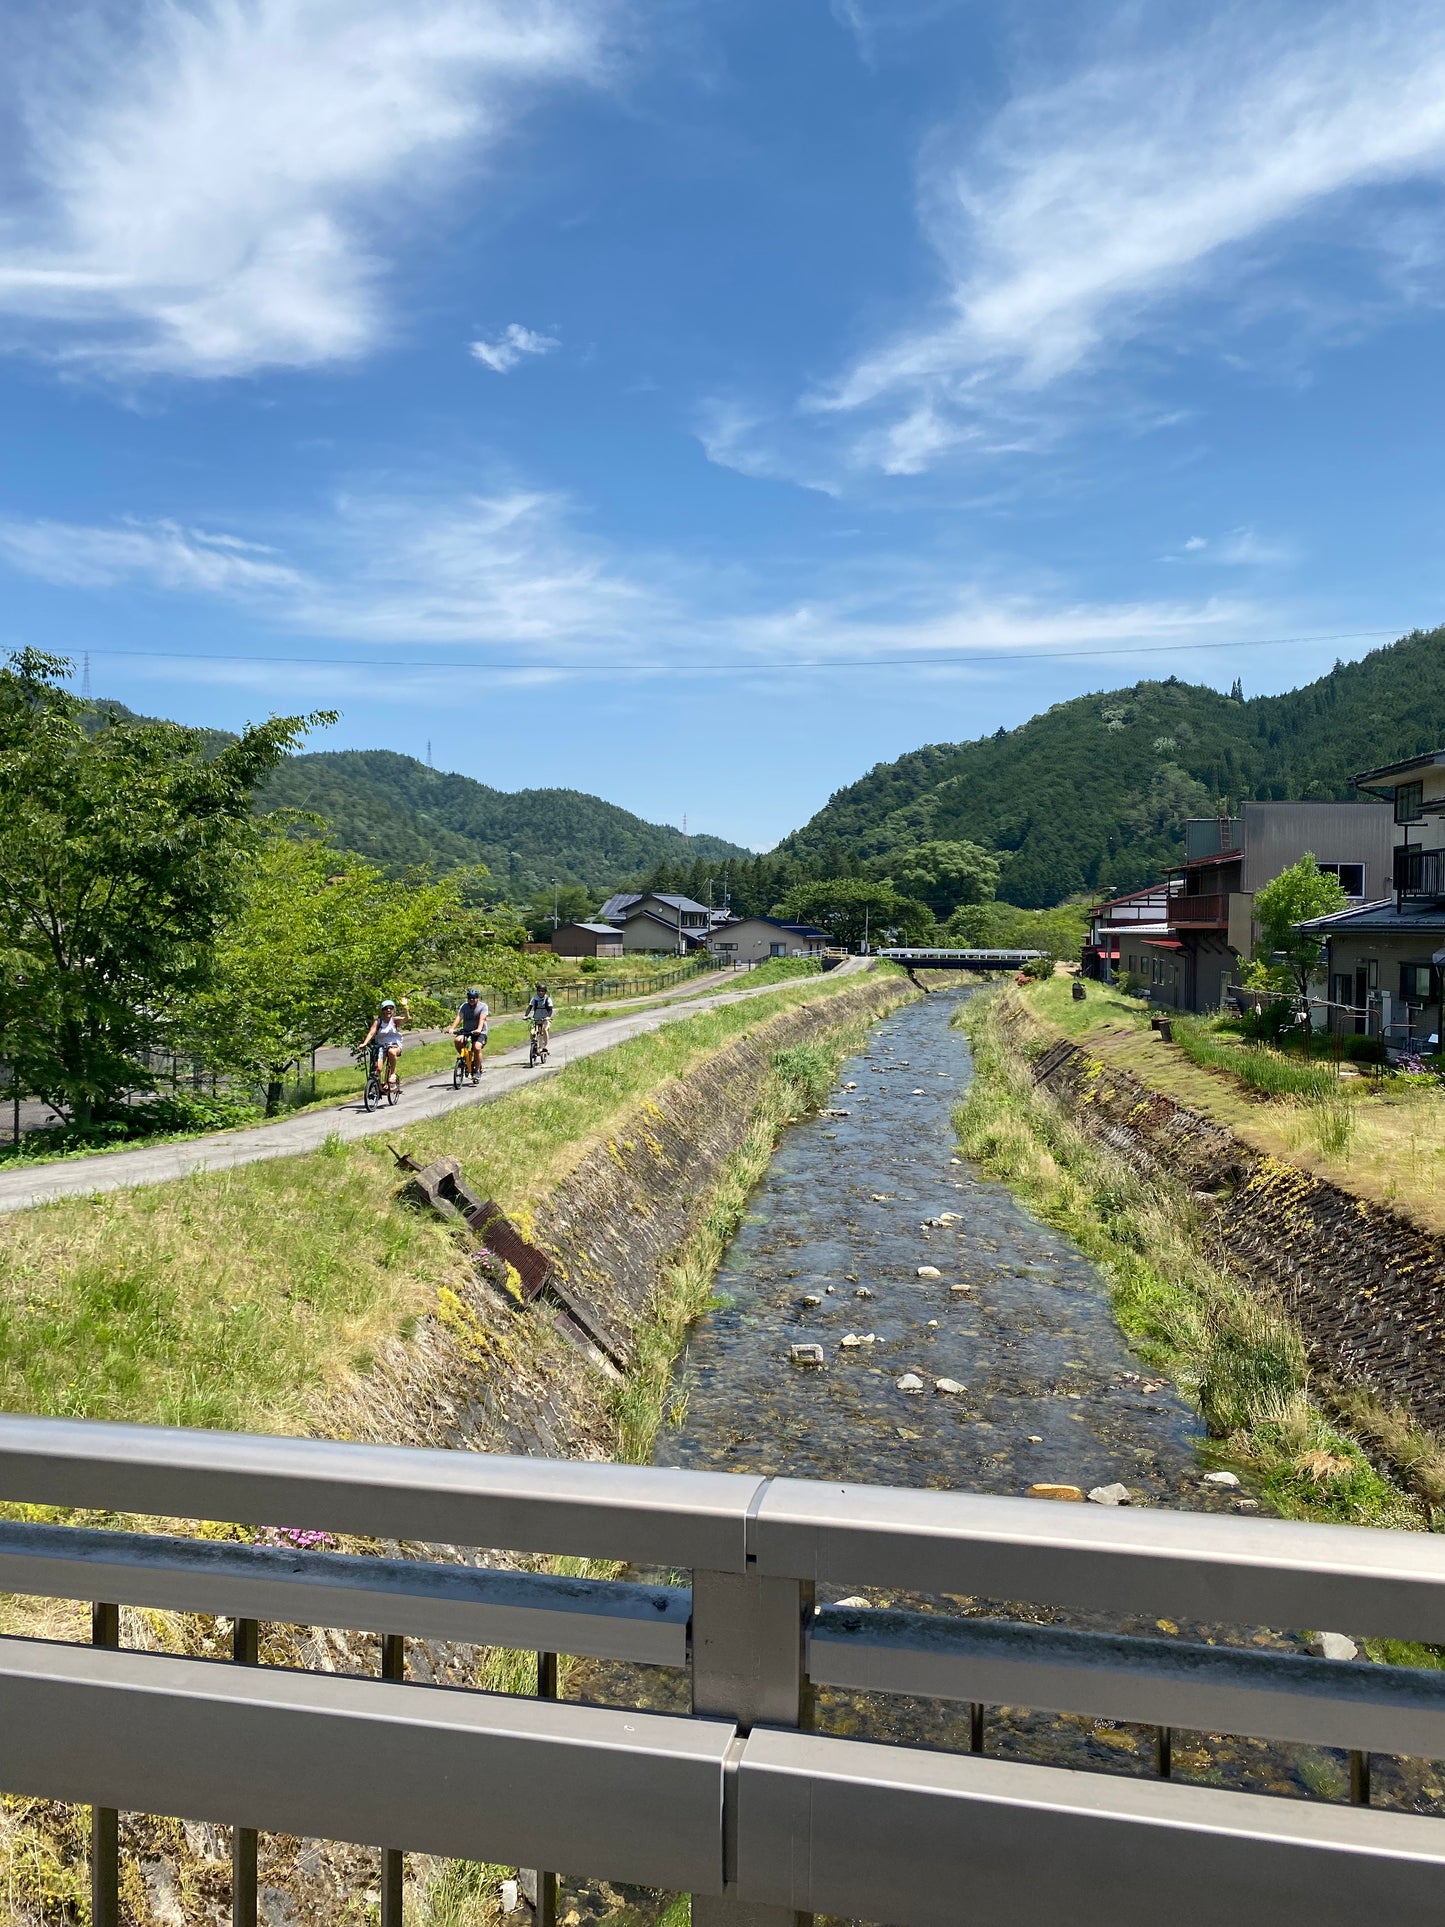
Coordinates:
<point>698,403</point>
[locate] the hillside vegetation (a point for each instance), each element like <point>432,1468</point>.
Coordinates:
<point>399,812</point>
<point>1091,796</point>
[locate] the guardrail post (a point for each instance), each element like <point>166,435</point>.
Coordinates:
<point>104,1821</point>
<point>393,1666</point>
<point>245,1651</point>
<point>544,1897</point>
<point>747,1666</point>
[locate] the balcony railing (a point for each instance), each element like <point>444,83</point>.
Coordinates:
<point>1420,873</point>
<point>1188,910</point>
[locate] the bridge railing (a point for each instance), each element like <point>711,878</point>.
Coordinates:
<point>736,1803</point>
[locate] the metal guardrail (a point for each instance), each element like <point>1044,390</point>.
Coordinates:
<point>758,1819</point>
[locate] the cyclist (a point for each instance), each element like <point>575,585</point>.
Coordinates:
<point>469,1027</point>
<point>539,1015</point>
<point>385,1037</point>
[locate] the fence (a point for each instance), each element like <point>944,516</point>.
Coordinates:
<point>759,1819</point>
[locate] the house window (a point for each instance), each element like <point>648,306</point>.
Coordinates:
<point>777,950</point>
<point>1415,983</point>
<point>1409,802</point>
<point>1351,876</point>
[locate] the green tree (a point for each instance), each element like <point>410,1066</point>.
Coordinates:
<point>574,904</point>
<point>1058,933</point>
<point>1295,895</point>
<point>851,909</point>
<point>124,852</point>
<point>944,874</point>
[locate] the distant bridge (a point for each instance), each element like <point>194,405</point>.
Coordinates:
<point>922,958</point>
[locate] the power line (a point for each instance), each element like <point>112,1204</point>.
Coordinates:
<point>1023,654</point>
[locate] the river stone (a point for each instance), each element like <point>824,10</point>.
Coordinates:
<point>949,1217</point>
<point>910,1383</point>
<point>1333,1646</point>
<point>1046,1490</point>
<point>811,1298</point>
<point>957,1291</point>
<point>859,1338</point>
<point>1115,1494</point>
<point>1245,1505</point>
<point>511,1894</point>
<point>809,1356</point>
<point>854,1599</point>
<point>949,1387</point>
<point>928,1271</point>
<point>863,1292</point>
<point>1230,1480</point>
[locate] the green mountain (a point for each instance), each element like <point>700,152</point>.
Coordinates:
<point>1092,794</point>
<point>399,812</point>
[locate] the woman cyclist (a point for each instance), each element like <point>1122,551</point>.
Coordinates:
<point>469,1027</point>
<point>385,1034</point>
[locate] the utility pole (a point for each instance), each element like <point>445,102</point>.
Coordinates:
<point>556,920</point>
<point>864,951</point>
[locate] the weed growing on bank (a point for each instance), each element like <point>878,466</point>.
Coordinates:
<point>1240,1361</point>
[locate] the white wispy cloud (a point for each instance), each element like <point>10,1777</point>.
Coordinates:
<point>516,571</point>
<point>161,554</point>
<point>514,343</point>
<point>1241,548</point>
<point>207,187</point>
<point>1073,222</point>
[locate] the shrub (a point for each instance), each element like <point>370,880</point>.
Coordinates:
<point>1039,969</point>
<point>808,1068</point>
<point>1364,1050</point>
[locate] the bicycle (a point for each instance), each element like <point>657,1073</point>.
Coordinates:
<point>540,1041</point>
<point>374,1092</point>
<point>468,1064</point>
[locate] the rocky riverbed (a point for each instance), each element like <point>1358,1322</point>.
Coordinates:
<point>887,1314</point>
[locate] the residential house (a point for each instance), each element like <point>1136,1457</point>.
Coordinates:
<point>1119,929</point>
<point>587,940</point>
<point>753,940</point>
<point>1384,957</point>
<point>1227,859</point>
<point>617,907</point>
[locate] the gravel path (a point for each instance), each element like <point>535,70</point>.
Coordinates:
<point>433,1096</point>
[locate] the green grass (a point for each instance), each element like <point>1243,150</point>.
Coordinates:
<point>231,1299</point>
<point>1239,1361</point>
<point>1269,1073</point>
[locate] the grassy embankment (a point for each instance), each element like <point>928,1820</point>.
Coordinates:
<point>234,1299</point>
<point>1240,1361</point>
<point>1382,1138</point>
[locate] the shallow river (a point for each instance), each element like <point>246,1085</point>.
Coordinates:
<point>831,1248</point>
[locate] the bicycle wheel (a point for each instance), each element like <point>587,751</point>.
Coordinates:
<point>393,1089</point>
<point>532,1059</point>
<point>372,1095</point>
<point>458,1073</point>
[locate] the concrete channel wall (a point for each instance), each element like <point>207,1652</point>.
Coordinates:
<point>1364,1284</point>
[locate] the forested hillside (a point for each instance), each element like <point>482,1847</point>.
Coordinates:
<point>399,812</point>
<point>1092,794</point>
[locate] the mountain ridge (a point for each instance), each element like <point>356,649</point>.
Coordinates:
<point>1091,794</point>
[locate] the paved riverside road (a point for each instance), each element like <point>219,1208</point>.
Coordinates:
<point>288,1137</point>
